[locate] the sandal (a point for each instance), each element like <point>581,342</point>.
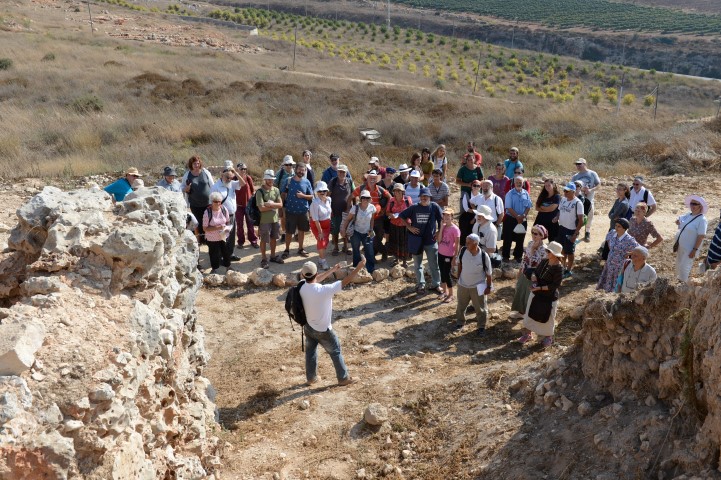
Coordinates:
<point>525,338</point>
<point>335,251</point>
<point>547,342</point>
<point>276,259</point>
<point>302,253</point>
<point>285,255</point>
<point>450,299</point>
<point>264,263</point>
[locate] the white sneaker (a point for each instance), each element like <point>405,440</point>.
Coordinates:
<point>323,264</point>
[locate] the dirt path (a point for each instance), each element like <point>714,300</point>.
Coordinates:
<point>408,359</point>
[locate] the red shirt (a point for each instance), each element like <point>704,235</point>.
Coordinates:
<point>479,158</point>
<point>243,195</point>
<point>526,186</point>
<point>375,196</point>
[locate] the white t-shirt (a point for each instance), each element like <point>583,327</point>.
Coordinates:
<point>318,304</point>
<point>363,218</point>
<point>638,197</point>
<point>320,210</point>
<point>472,273</point>
<point>697,227</point>
<point>488,234</point>
<point>590,179</point>
<point>439,162</point>
<point>568,211</point>
<point>493,202</point>
<point>472,202</point>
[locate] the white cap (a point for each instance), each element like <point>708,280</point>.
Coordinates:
<point>374,160</point>
<point>321,186</point>
<point>365,194</point>
<point>228,164</point>
<point>288,160</point>
<point>416,174</point>
<point>269,175</point>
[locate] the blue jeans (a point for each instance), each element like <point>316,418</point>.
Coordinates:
<point>330,343</point>
<point>432,256</point>
<point>367,242</point>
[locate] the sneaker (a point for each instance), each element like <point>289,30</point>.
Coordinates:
<point>587,237</point>
<point>239,246</point>
<point>347,381</point>
<point>567,274</point>
<point>547,342</point>
<point>234,258</point>
<point>525,338</point>
<point>323,264</point>
<point>255,245</point>
<point>264,263</point>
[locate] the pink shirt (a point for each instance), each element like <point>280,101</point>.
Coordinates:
<point>219,218</point>
<point>448,240</point>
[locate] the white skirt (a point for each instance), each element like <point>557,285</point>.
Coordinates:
<point>543,329</point>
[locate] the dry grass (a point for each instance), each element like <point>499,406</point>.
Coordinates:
<point>158,105</point>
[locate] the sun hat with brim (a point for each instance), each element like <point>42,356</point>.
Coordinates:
<point>555,248</point>
<point>133,171</point>
<point>448,211</point>
<point>269,175</point>
<point>570,186</point>
<point>484,211</point>
<point>415,174</point>
<point>309,270</point>
<point>342,168</point>
<point>374,160</point>
<point>399,186</point>
<point>288,160</point>
<point>697,198</point>
<point>365,194</point>
<point>403,168</point>
<point>169,172</point>
<point>321,187</point>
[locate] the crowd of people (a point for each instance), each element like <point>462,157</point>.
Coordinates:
<point>403,214</point>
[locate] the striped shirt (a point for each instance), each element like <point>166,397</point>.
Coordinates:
<point>714,248</point>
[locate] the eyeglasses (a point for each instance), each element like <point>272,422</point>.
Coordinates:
<point>478,186</point>
<point>694,204</point>
<point>579,164</point>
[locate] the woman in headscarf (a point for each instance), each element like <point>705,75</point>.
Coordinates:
<point>532,257</point>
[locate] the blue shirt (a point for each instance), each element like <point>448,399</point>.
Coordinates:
<point>420,216</point>
<point>511,167</point>
<point>714,248</point>
<point>118,189</point>
<point>173,187</point>
<point>330,173</point>
<point>292,203</point>
<point>519,202</point>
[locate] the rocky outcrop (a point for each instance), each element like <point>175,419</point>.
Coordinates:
<point>101,350</point>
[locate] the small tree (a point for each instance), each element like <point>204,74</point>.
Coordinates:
<point>628,99</point>
<point>595,97</point>
<point>649,100</point>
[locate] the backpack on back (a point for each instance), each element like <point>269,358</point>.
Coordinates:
<point>253,210</point>
<point>629,212</point>
<point>295,309</point>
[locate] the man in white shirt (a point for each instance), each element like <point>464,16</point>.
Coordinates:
<point>318,304</point>
<point>226,186</point>
<point>591,182</point>
<point>475,282</point>
<point>639,193</point>
<point>570,221</point>
<point>485,229</point>
<point>637,273</point>
<point>492,201</point>
<point>413,187</point>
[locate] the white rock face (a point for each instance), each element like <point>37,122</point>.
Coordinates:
<point>103,307</point>
<point>380,274</point>
<point>236,279</point>
<point>261,277</point>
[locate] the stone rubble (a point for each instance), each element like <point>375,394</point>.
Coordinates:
<point>100,348</point>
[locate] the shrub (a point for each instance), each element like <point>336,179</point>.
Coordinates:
<point>439,83</point>
<point>628,99</point>
<point>5,63</point>
<point>649,100</point>
<point>595,97</point>
<point>48,57</point>
<point>491,91</point>
<point>87,104</point>
<point>412,67</point>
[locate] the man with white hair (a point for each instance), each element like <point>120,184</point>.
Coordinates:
<point>591,182</point>
<point>475,281</point>
<point>637,273</point>
<point>518,203</point>
<point>492,201</point>
<point>639,193</point>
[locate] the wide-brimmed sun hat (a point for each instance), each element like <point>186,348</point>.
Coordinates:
<point>555,248</point>
<point>697,198</point>
<point>403,168</point>
<point>321,187</point>
<point>133,171</point>
<point>484,211</point>
<point>269,175</point>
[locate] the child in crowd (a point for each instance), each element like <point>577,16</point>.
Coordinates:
<point>449,237</point>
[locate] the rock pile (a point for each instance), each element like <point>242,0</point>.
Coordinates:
<point>100,349</point>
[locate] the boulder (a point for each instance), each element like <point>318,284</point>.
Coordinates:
<point>279,280</point>
<point>397,272</point>
<point>236,279</point>
<point>18,343</point>
<point>375,414</point>
<point>363,277</point>
<point>380,274</point>
<point>497,274</point>
<point>261,277</point>
<point>410,273</point>
<point>510,273</point>
<point>342,273</point>
<point>213,280</point>
<point>41,285</point>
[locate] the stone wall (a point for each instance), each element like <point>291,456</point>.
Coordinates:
<point>101,356</point>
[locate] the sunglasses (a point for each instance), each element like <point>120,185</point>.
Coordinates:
<point>476,186</point>
<point>694,204</point>
<point>243,169</point>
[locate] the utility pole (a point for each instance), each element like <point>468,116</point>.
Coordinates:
<point>91,19</point>
<point>513,32</point>
<point>295,43</point>
<point>389,15</point>
<point>478,67</point>
<point>620,94</point>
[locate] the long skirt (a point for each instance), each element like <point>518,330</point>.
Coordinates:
<point>398,242</point>
<point>542,329</point>
<point>520,298</point>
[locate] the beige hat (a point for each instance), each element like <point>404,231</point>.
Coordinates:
<point>133,171</point>
<point>399,186</point>
<point>484,211</point>
<point>309,270</point>
<point>556,249</point>
<point>580,161</point>
<point>365,194</point>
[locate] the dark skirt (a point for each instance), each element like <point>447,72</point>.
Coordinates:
<point>398,242</point>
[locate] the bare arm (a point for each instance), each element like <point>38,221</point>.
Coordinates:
<point>347,280</point>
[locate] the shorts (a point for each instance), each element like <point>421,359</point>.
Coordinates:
<point>296,221</point>
<point>335,223</point>
<point>569,246</point>
<point>325,228</point>
<point>266,231</point>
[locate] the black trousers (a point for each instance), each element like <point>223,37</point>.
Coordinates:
<point>379,230</point>
<point>221,251</point>
<point>509,223</point>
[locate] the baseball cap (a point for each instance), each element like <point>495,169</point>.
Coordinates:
<point>570,186</point>
<point>343,168</point>
<point>581,161</point>
<point>374,160</point>
<point>169,172</point>
<point>416,174</point>
<point>390,170</point>
<point>269,175</point>
<point>241,166</point>
<point>309,270</point>
<point>425,192</point>
<point>334,156</point>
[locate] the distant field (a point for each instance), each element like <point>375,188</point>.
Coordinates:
<point>589,13</point>
<point>702,6</point>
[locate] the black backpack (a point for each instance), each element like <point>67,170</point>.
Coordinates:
<point>629,212</point>
<point>253,210</point>
<point>484,255</point>
<point>295,309</point>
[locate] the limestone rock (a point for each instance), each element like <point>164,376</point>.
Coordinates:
<point>510,273</point>
<point>18,344</point>
<point>410,273</point>
<point>261,277</point>
<point>236,279</point>
<point>213,280</point>
<point>566,404</point>
<point>397,272</point>
<point>497,274</point>
<point>380,274</point>
<point>375,414</point>
<point>292,280</point>
<point>363,277</point>
<point>279,280</point>
<point>41,285</point>
<point>342,273</point>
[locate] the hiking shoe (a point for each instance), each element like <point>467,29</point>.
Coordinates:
<point>525,338</point>
<point>234,258</point>
<point>312,381</point>
<point>285,255</point>
<point>347,381</point>
<point>255,245</point>
<point>547,342</point>
<point>567,274</point>
<point>587,237</point>
<point>264,263</point>
<point>421,289</point>
<point>276,259</point>
<point>303,253</point>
